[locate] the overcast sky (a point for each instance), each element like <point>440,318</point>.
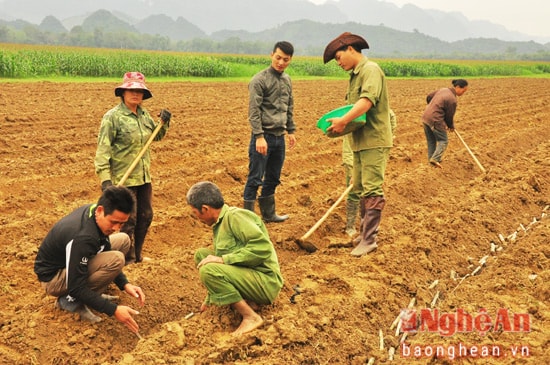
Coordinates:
<point>531,17</point>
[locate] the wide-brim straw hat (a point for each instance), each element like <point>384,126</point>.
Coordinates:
<point>343,40</point>
<point>133,80</point>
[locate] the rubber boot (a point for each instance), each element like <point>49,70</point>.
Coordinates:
<point>69,304</point>
<point>369,225</point>
<point>352,207</point>
<point>129,228</point>
<point>267,207</point>
<point>142,226</point>
<point>87,315</point>
<point>249,205</point>
<point>362,212</point>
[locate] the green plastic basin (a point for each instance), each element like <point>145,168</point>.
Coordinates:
<point>355,124</point>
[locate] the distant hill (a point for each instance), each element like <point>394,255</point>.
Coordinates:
<point>106,22</point>
<point>254,16</point>
<point>177,30</point>
<point>103,28</point>
<point>52,24</point>
<point>448,26</point>
<point>311,37</point>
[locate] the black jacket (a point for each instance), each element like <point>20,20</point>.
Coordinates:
<point>72,243</point>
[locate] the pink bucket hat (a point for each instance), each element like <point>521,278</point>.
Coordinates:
<point>133,80</point>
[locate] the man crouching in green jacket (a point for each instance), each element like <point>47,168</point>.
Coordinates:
<point>242,270</point>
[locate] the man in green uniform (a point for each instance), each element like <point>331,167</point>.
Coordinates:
<point>242,270</point>
<point>352,201</point>
<point>368,92</point>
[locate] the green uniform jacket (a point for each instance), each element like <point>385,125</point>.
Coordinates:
<point>347,153</point>
<point>368,81</point>
<point>241,238</point>
<point>122,135</point>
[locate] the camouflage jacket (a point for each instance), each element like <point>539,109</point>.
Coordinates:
<point>122,135</point>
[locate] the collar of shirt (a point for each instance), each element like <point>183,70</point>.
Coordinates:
<point>127,111</point>
<point>275,72</point>
<point>357,67</point>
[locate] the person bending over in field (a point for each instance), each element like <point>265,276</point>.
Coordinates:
<point>438,117</point>
<point>243,269</point>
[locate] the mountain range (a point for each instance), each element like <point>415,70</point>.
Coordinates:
<point>210,16</point>
<point>157,25</point>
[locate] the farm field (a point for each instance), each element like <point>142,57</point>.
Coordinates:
<point>24,61</point>
<point>438,225</point>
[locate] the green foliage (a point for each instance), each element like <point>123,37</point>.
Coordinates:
<point>460,68</point>
<point>24,61</point>
<point>315,67</point>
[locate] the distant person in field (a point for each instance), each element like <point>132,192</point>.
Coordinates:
<point>438,117</point>
<point>371,144</point>
<point>124,131</point>
<point>271,118</point>
<point>83,253</point>
<point>242,269</point>
<point>353,200</point>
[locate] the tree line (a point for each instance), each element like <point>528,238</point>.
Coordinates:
<point>79,37</point>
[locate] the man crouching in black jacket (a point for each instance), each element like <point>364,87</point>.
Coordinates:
<point>84,252</point>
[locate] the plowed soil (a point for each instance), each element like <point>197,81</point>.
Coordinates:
<point>452,239</point>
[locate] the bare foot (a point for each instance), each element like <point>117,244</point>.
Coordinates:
<point>248,324</point>
<point>436,164</point>
<point>253,305</point>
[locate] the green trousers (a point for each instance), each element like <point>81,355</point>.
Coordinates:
<point>228,284</point>
<point>369,167</point>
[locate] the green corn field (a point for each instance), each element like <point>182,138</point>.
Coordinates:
<point>29,61</point>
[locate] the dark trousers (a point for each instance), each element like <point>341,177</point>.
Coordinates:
<point>139,222</point>
<point>437,142</point>
<point>264,171</point>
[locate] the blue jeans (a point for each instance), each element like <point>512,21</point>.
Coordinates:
<point>437,142</point>
<point>264,171</point>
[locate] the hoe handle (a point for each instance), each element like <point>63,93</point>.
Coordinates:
<point>324,217</point>
<point>140,154</point>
